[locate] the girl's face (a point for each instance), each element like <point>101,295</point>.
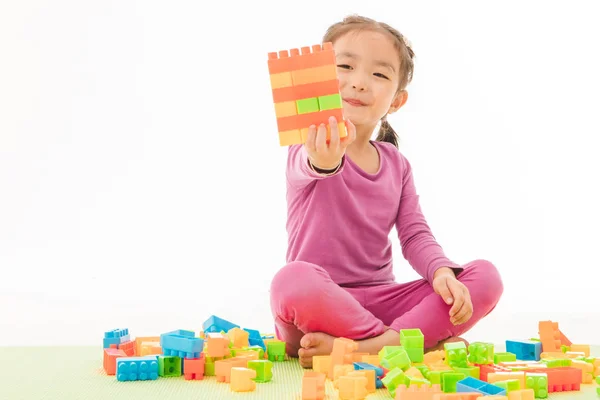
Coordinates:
<point>368,70</point>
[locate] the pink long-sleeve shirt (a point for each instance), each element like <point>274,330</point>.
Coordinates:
<point>342,222</point>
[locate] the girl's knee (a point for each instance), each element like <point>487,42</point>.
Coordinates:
<point>296,281</point>
<point>487,279</point>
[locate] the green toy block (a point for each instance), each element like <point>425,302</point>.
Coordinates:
<point>388,350</point>
<point>481,353</point>
<point>435,377</point>
<point>412,338</point>
<point>263,370</point>
<point>418,382</point>
<point>305,106</point>
<point>474,372</point>
<point>450,379</point>
<point>456,354</point>
<point>598,390</point>
<point>424,369</point>
<point>509,385</point>
<point>276,351</point>
<point>399,359</point>
<point>561,362</point>
<point>415,355</point>
<point>393,379</point>
<point>330,102</point>
<point>169,366</point>
<point>534,339</point>
<point>539,384</point>
<point>598,379</point>
<point>504,357</point>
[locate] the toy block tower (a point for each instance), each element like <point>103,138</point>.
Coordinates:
<point>305,90</point>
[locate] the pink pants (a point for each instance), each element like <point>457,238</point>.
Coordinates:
<point>305,299</point>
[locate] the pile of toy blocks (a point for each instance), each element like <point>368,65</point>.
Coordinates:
<point>527,370</point>
<point>240,357</point>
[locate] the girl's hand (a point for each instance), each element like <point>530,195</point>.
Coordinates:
<point>324,155</point>
<point>453,292</point>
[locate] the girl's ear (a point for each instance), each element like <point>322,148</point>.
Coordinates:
<point>399,100</point>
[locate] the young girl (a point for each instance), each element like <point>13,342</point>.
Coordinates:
<point>343,199</point>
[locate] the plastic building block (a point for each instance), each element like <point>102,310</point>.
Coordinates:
<point>137,368</point>
<point>450,381</point>
<point>481,353</point>
<point>370,375</point>
<point>525,349</point>
<point>238,337</point>
<point>256,339</point>
<point>358,366</point>
<point>193,368</point>
<point>504,357</point>
<point>149,349</point>
<point>458,396</point>
<point>216,324</point>
<point>470,371</point>
<point>181,343</point>
<point>394,356</point>
<point>242,379</point>
<point>140,340</point>
<point>509,386</point>
<point>313,386</point>
<point>110,359</point>
<point>424,392</point>
<point>128,347</point>
<point>339,371</point>
<point>308,78</point>
<point>393,379</point>
<point>413,342</point>
<point>169,366</point>
<point>523,394</point>
<point>322,364</point>
<point>223,367</point>
<point>507,376</point>
<point>353,387</point>
<point>217,345</point>
<point>263,370</point>
<point>116,336</point>
<point>276,350</point>
<point>456,354</point>
<point>550,336</point>
<point>561,379</point>
<point>470,384</point>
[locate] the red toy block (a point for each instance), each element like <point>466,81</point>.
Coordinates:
<point>128,347</point>
<point>305,91</point>
<point>110,359</point>
<point>193,368</point>
<point>485,369</point>
<point>286,61</point>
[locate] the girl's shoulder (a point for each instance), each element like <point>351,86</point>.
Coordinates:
<point>392,153</point>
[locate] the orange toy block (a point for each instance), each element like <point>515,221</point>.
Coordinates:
<point>313,386</point>
<point>193,368</point>
<point>322,364</point>
<point>353,387</point>
<point>217,345</point>
<point>305,91</point>
<point>303,58</point>
<point>140,340</point>
<point>494,397</point>
<point>239,337</point>
<point>549,336</point>
<point>434,357</point>
<point>371,378</point>
<point>523,394</point>
<point>149,349</point>
<point>422,392</point>
<point>358,357</point>
<point>110,360</point>
<point>342,352</point>
<point>457,396</point>
<point>242,379</point>
<point>580,348</point>
<point>587,370</point>
<point>223,367</point>
<point>372,359</point>
<point>339,371</point>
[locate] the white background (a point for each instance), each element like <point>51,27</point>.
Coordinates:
<point>142,184</point>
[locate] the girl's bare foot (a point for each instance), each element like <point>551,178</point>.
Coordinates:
<point>314,344</point>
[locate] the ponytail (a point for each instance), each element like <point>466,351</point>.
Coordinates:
<point>387,133</point>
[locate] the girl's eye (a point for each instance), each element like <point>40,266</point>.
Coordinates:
<point>382,76</point>
<point>345,66</point>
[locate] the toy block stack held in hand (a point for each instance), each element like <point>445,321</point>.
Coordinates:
<point>240,357</point>
<point>527,370</point>
<point>305,89</point>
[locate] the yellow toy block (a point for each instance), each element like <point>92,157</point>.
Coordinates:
<point>281,80</point>
<point>353,388</point>
<point>238,337</point>
<point>242,379</point>
<point>524,394</point>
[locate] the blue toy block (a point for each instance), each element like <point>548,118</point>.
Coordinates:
<point>525,350</point>
<point>137,368</point>
<point>181,344</point>
<point>216,324</point>
<point>116,336</point>
<point>470,385</point>
<point>361,365</point>
<point>254,338</point>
